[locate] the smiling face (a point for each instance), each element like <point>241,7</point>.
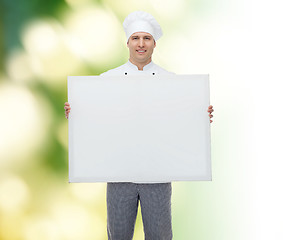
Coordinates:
<point>141,45</point>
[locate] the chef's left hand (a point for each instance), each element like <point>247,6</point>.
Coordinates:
<point>210,110</point>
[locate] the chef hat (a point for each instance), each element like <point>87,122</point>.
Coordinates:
<point>140,21</point>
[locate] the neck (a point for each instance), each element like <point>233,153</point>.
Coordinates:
<point>140,65</point>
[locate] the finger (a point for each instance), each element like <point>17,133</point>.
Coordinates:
<point>211,121</point>
<point>210,115</point>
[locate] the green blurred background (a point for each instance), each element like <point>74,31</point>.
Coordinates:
<point>237,42</point>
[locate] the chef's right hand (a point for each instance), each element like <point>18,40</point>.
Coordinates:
<point>67,109</point>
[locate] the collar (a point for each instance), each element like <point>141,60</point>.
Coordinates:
<point>147,67</point>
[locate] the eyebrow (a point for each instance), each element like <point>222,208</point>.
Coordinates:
<point>141,36</point>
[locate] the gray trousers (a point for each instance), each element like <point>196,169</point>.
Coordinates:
<point>122,205</point>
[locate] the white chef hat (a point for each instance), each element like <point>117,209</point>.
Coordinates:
<point>140,21</point>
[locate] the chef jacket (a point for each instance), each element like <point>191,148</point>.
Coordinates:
<point>132,70</point>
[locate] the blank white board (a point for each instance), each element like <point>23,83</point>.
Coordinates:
<point>139,128</point>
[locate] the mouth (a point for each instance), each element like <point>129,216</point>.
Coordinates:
<point>140,51</point>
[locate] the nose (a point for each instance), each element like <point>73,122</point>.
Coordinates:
<point>141,43</point>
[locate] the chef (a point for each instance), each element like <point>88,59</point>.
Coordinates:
<point>142,32</point>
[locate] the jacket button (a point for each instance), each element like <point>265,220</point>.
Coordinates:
<point>153,73</point>
<point>126,73</point>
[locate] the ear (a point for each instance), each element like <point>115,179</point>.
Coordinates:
<point>154,43</point>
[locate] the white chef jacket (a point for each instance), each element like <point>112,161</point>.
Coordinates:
<point>131,69</point>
